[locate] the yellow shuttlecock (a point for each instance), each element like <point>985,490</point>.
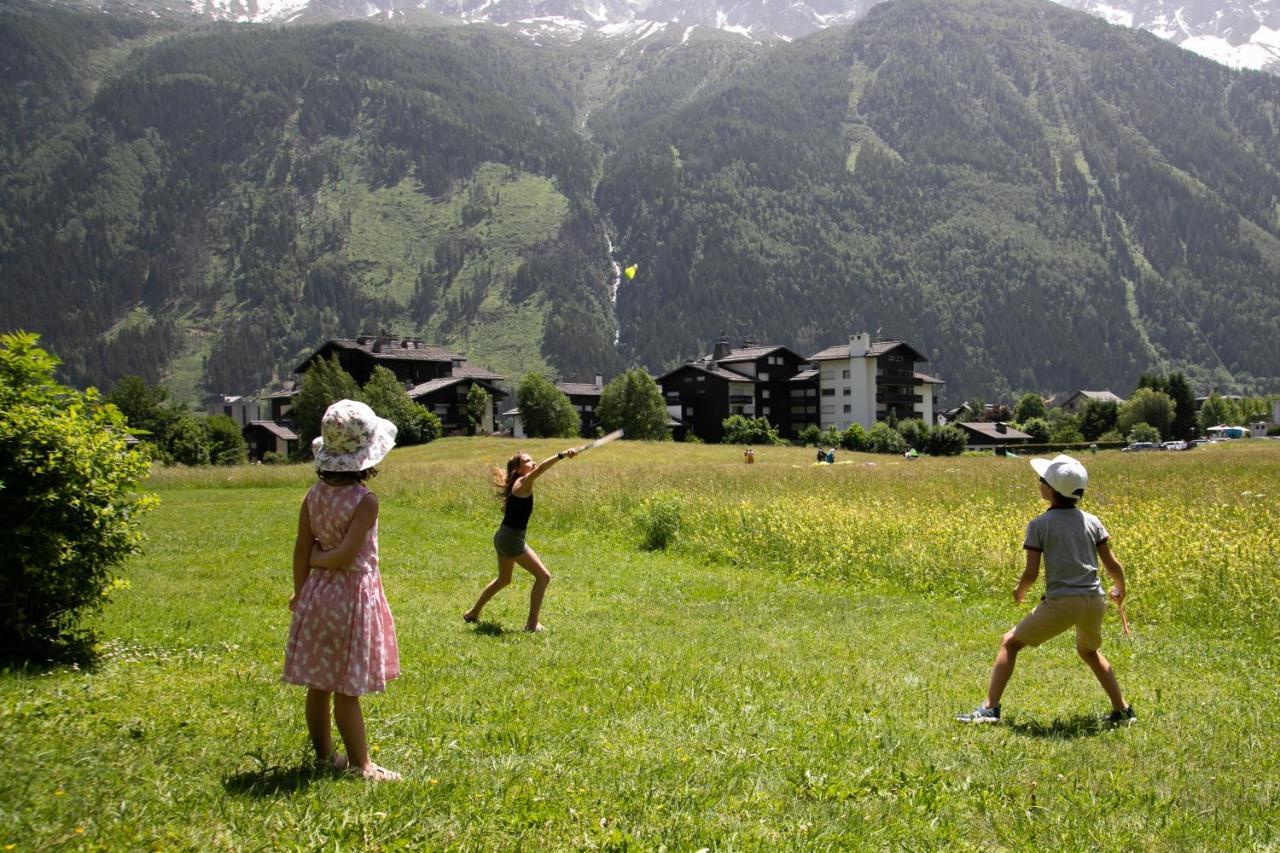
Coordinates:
<point>630,271</point>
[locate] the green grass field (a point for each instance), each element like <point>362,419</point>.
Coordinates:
<point>783,675</point>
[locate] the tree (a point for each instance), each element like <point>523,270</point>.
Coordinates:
<point>1037,428</point>
<point>1184,407</point>
<point>1214,412</point>
<point>946,440</point>
<point>226,442</point>
<point>144,407</point>
<point>1097,417</point>
<point>810,435</point>
<point>743,430</point>
<point>388,398</point>
<point>1066,432</point>
<point>633,402</point>
<point>1028,406</point>
<point>188,442</point>
<point>324,384</point>
<point>883,438</point>
<point>69,502</point>
<point>479,405</point>
<point>545,409</point>
<point>1146,406</point>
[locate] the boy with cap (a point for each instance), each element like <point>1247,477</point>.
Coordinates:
<point>1071,542</point>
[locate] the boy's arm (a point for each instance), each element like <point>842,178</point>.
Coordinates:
<point>341,556</point>
<point>1114,569</point>
<point>1029,575</point>
<point>301,553</point>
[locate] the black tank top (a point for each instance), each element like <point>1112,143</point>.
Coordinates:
<point>518,511</point>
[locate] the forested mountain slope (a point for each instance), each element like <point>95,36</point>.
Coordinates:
<point>1035,198</point>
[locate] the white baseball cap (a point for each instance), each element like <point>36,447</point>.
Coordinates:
<point>1064,474</point>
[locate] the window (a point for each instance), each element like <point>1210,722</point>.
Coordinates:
<point>764,377</point>
<point>700,378</point>
<point>847,408</point>
<point>844,374</point>
<point>828,410</point>
<point>828,392</point>
<point>845,392</point>
<point>764,410</point>
<point>764,393</point>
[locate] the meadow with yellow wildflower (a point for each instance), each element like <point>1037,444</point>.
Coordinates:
<point>738,657</point>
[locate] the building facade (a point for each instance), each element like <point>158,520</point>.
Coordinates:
<point>862,382</point>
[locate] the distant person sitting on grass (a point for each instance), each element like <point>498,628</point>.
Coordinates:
<point>342,641</point>
<point>515,490</point>
<point>1071,542</point>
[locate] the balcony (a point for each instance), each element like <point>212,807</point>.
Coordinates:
<point>741,399</point>
<point>898,399</point>
<point>898,378</point>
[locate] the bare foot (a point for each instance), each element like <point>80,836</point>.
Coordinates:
<point>338,761</point>
<point>535,629</point>
<point>469,619</point>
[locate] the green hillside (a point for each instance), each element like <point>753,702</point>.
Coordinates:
<point>1036,199</point>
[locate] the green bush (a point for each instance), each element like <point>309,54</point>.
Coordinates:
<point>658,520</point>
<point>632,402</point>
<point>1143,432</point>
<point>68,500</point>
<point>885,439</point>
<point>1037,428</point>
<point>272,457</point>
<point>226,442</point>
<point>743,430</point>
<point>914,432</point>
<point>854,438</point>
<point>546,410</point>
<point>810,435</point>
<point>188,441</point>
<point>946,440</point>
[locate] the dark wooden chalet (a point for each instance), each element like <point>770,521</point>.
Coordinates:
<point>410,359</point>
<point>447,397</point>
<point>991,435</point>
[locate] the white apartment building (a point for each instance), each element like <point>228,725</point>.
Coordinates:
<point>861,382</point>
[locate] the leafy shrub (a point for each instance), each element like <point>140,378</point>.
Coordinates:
<point>946,440</point>
<point>546,410</point>
<point>914,432</point>
<point>854,438</point>
<point>67,481</point>
<point>188,441</point>
<point>885,439</point>
<point>810,435</point>
<point>1112,436</point>
<point>658,520</point>
<point>273,457</point>
<point>744,430</point>
<point>829,437</point>
<point>1037,428</point>
<point>1143,432</point>
<point>632,402</point>
<point>692,438</point>
<point>226,443</point>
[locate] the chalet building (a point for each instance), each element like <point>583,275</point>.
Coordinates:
<point>241,409</point>
<point>265,437</point>
<point>863,381</point>
<point>754,380</point>
<point>1076,402</point>
<point>991,435</point>
<point>447,397</point>
<point>410,359</point>
<point>434,377</point>
<point>585,398</point>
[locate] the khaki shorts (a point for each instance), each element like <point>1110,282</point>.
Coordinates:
<point>1052,616</point>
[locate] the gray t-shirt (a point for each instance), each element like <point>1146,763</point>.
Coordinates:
<point>1069,540</point>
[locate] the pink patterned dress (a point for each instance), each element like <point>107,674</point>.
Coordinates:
<point>342,638</point>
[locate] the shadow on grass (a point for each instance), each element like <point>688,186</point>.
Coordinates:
<point>272,780</point>
<point>487,629</point>
<point>1076,726</point>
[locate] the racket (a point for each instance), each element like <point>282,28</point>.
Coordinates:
<point>1124,620</point>
<point>601,441</point>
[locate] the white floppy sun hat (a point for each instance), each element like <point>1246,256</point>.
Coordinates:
<point>352,438</point>
<point>1064,474</point>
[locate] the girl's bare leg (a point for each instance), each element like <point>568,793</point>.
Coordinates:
<point>505,566</point>
<point>346,711</point>
<point>1106,676</point>
<point>318,724</point>
<point>541,579</point>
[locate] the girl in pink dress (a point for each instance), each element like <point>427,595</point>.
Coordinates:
<point>342,641</point>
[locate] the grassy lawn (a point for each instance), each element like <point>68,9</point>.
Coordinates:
<point>719,694</point>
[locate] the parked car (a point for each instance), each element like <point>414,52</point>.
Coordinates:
<point>1174,445</point>
<point>1138,445</point>
<point>1199,442</point>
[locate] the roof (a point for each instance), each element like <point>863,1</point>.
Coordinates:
<point>283,393</point>
<point>580,389</point>
<point>879,348</point>
<point>445,381</point>
<point>929,380</point>
<point>393,349</point>
<point>1101,396</point>
<point>509,413</point>
<point>805,375</point>
<point>474,371</point>
<point>276,429</point>
<point>988,429</point>
<point>747,353</point>
<point>713,369</point>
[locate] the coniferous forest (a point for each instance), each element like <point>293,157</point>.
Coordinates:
<point>1034,198</point>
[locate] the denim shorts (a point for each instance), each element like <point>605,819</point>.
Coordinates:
<point>509,542</point>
